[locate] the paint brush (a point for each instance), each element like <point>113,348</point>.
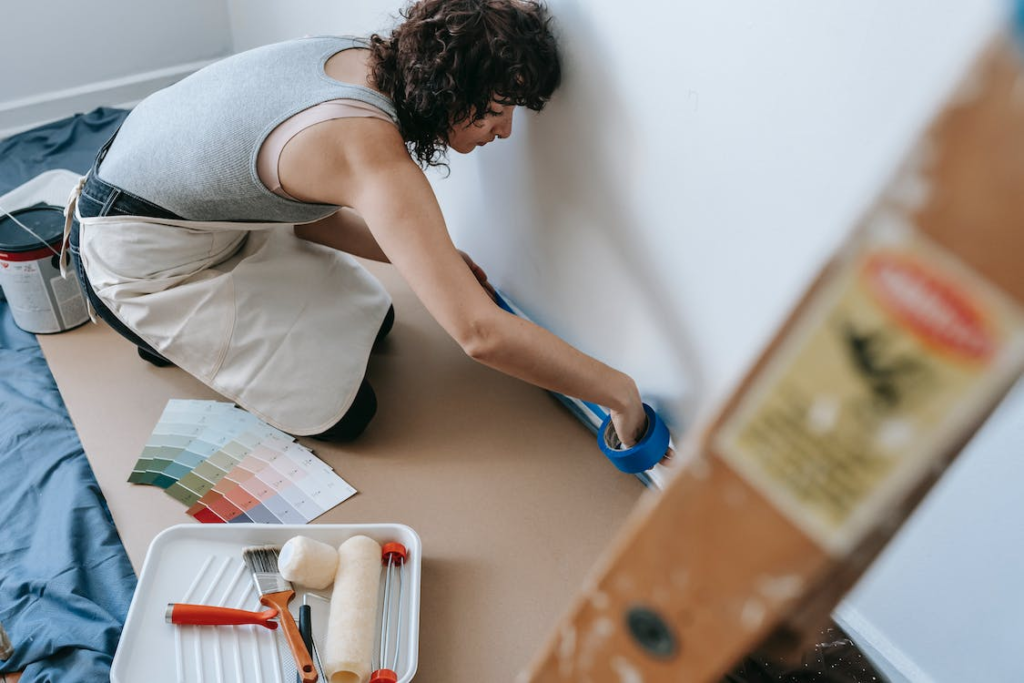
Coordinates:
<point>274,591</point>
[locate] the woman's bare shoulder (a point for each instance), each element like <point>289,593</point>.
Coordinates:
<point>319,163</point>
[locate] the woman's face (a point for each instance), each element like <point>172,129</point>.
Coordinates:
<point>467,135</point>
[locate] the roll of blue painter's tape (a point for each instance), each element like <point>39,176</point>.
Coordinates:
<point>645,454</point>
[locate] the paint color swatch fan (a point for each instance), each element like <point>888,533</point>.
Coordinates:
<point>226,465</point>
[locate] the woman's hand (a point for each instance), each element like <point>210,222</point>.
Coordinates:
<point>629,418</point>
<point>479,274</point>
<point>632,422</point>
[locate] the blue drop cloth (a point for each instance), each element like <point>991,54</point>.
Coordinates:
<point>65,580</point>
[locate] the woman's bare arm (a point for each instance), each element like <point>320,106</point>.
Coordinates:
<point>364,164</point>
<point>344,230</point>
<point>399,206</point>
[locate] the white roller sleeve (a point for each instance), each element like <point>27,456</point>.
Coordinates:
<point>353,618</point>
<point>307,562</point>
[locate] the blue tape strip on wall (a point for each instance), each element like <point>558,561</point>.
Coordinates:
<point>642,456</point>
<point>500,300</point>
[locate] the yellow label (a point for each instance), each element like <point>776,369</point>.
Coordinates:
<point>896,355</point>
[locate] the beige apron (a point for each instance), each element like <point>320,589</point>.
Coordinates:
<point>278,324</point>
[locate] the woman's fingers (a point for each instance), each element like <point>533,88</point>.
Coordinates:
<point>630,425</point>
<point>479,274</point>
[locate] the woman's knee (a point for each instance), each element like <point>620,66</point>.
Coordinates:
<point>385,327</point>
<point>356,419</point>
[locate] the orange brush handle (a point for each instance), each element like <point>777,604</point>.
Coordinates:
<point>207,615</point>
<point>303,660</point>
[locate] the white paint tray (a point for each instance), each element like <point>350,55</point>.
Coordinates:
<point>202,563</point>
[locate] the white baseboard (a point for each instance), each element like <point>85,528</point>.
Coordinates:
<point>29,112</point>
<point>890,661</point>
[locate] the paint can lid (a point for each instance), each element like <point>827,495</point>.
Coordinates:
<point>44,220</point>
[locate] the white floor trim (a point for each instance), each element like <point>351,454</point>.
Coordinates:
<point>890,661</point>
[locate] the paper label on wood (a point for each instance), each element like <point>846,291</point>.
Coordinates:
<point>894,356</point>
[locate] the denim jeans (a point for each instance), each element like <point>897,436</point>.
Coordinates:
<point>100,198</point>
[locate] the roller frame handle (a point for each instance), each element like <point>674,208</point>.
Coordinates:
<point>306,631</point>
<point>303,660</point>
<point>207,615</point>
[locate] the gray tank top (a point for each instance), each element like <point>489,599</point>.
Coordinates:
<point>191,148</point>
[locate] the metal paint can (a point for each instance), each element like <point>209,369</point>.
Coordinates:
<point>41,301</point>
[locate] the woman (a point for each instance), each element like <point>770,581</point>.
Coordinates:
<point>216,226</point>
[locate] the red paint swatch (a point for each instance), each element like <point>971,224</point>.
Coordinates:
<point>207,516</point>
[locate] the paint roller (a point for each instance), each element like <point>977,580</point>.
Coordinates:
<point>308,563</point>
<point>636,459</point>
<point>354,568</point>
<point>351,621</point>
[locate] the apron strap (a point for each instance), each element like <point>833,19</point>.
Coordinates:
<point>70,214</point>
<point>70,208</point>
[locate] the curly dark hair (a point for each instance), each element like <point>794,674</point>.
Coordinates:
<point>450,59</point>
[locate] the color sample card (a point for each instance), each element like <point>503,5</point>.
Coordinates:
<point>187,433</point>
<point>226,465</point>
<point>277,482</point>
<point>214,457</point>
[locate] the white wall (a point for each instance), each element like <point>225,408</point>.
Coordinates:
<point>943,603</point>
<point>60,57</point>
<point>700,162</point>
<point>258,22</point>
